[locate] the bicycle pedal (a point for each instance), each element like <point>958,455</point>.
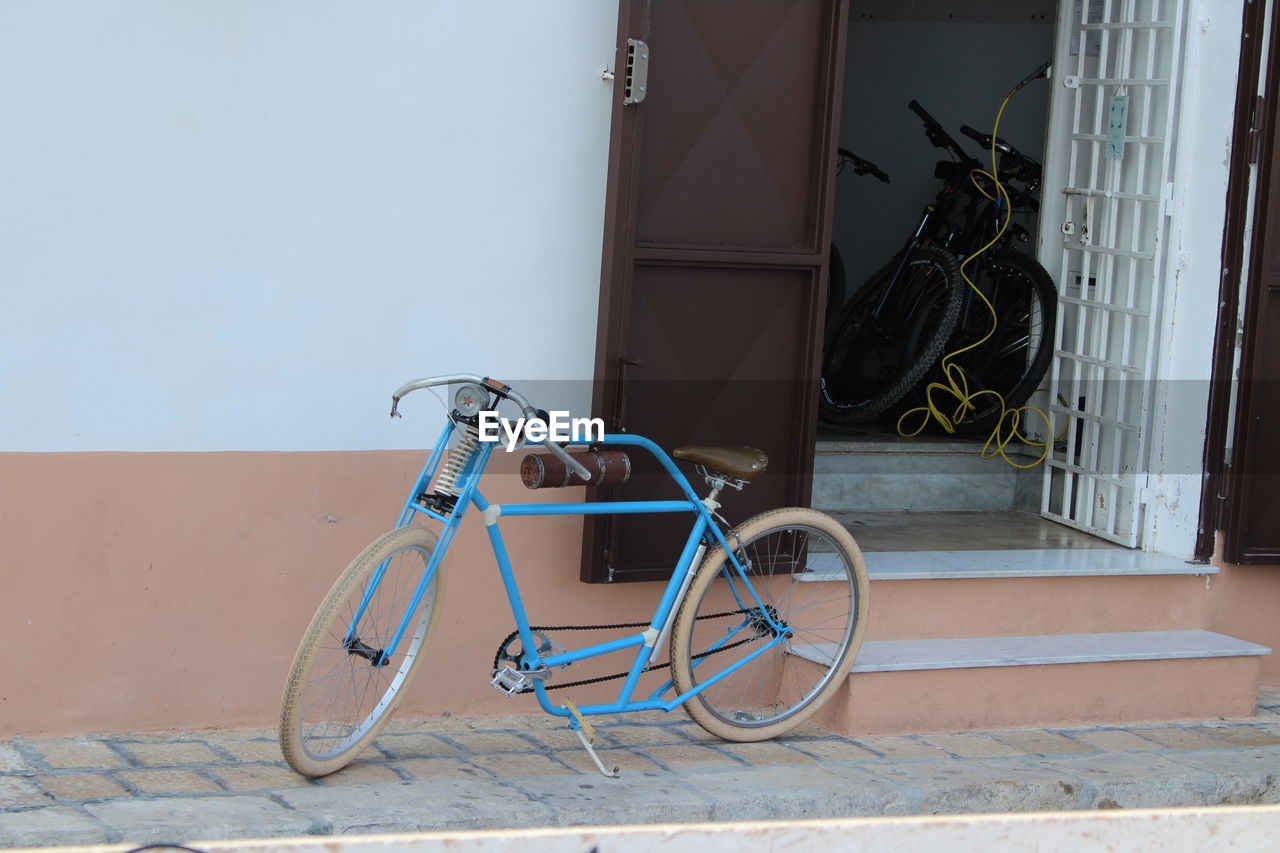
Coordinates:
<point>512,681</point>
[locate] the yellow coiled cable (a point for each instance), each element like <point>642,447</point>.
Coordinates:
<point>955,383</point>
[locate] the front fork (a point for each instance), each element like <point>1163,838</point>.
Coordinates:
<point>470,476</point>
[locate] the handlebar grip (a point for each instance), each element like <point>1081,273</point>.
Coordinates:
<point>915,107</point>
<point>985,140</point>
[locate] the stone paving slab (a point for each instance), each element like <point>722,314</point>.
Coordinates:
<point>525,771</point>
<point>592,800</point>
<point>444,804</point>
<point>147,821</point>
<point>800,792</point>
<point>1131,780</point>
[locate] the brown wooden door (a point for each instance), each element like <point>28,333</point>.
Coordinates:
<point>1252,528</point>
<point>717,226</point>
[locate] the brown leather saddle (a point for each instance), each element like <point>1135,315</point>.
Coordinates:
<point>743,463</point>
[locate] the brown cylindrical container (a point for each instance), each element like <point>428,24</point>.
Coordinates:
<point>544,471</point>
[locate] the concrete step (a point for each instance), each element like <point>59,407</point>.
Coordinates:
<point>874,472</point>
<point>1013,563</point>
<point>1045,679</point>
<point>1035,650</point>
<point>930,594</point>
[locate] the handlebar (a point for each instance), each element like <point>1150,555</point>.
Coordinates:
<point>861,166</point>
<point>936,133</point>
<point>454,379</point>
<point>984,139</point>
<point>502,390</point>
<point>1014,163</point>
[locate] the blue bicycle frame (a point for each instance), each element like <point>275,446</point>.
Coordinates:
<point>704,530</point>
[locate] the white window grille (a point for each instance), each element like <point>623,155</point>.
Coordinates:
<point>1106,196</point>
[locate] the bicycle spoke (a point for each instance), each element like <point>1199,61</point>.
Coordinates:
<point>344,692</point>
<point>774,686</point>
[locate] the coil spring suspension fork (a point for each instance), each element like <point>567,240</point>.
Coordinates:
<point>457,460</point>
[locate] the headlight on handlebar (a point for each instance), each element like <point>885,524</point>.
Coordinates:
<point>470,400</point>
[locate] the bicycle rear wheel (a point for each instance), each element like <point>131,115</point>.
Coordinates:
<point>810,578</point>
<point>339,694</point>
<point>1013,361</point>
<point>836,287</point>
<point>868,366</point>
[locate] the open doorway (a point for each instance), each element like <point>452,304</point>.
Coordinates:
<point>956,62</point>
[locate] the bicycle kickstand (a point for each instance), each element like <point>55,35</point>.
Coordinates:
<point>580,725</point>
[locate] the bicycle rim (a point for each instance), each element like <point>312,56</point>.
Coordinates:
<point>871,364</point>
<point>338,697</point>
<point>1014,360</point>
<point>812,584</point>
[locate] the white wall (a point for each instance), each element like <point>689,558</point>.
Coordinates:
<point>1201,171</point>
<point>239,224</point>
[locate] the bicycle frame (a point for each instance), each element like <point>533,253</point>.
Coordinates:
<point>704,532</point>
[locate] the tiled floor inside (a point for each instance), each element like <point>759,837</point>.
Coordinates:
<point>960,531</point>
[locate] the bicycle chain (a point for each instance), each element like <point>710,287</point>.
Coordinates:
<point>497,658</point>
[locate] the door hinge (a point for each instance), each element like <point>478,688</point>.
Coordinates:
<point>1253,145</point>
<point>1218,515</point>
<point>635,84</point>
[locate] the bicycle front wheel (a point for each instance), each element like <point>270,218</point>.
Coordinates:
<point>805,577</point>
<point>341,691</point>
<point>868,365</point>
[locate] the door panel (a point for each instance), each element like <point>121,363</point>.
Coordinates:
<point>713,286</point>
<point>1253,510</point>
<point>737,388</point>
<point>1247,137</point>
<point>731,143</point>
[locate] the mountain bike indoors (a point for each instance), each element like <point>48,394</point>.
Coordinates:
<point>959,361</point>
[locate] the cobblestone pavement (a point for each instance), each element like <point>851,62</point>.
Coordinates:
<point>489,772</point>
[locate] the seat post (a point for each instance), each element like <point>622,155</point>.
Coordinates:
<point>717,481</point>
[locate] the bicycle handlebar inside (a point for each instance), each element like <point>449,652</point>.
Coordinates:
<point>861,166</point>
<point>938,134</point>
<point>984,139</point>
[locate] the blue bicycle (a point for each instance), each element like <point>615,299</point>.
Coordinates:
<point>760,623</point>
